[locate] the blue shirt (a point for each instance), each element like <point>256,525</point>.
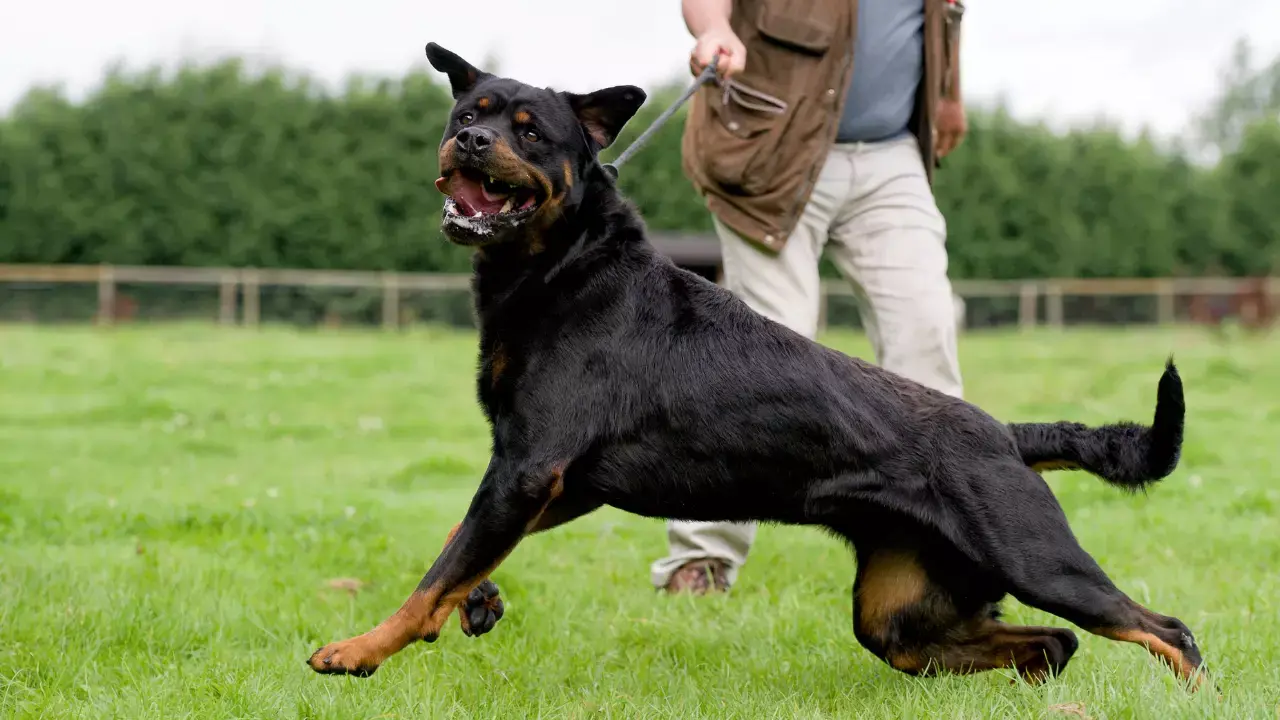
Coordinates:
<point>888,61</point>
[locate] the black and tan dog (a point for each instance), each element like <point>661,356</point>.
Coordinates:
<point>611,377</point>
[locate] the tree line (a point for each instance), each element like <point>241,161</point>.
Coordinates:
<point>216,164</point>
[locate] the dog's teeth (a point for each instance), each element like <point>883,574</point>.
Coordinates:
<point>478,214</point>
<point>491,180</point>
<point>506,207</point>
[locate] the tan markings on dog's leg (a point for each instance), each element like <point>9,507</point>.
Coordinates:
<point>910,662</point>
<point>913,625</point>
<point>420,617</point>
<point>568,175</point>
<point>556,490</point>
<point>891,581</point>
<point>361,655</point>
<point>452,531</point>
<point>462,611</point>
<point>1055,465</point>
<point>1171,655</point>
<point>978,646</point>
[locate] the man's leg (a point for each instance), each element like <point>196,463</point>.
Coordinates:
<point>784,288</point>
<point>890,242</point>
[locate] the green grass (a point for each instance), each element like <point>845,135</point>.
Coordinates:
<point>173,502</point>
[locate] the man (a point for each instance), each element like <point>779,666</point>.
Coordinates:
<point>823,133</point>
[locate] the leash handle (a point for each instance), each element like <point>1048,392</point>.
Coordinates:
<point>707,75</point>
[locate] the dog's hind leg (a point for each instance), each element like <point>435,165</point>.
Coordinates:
<point>924,620</point>
<point>509,504</point>
<point>1031,547</point>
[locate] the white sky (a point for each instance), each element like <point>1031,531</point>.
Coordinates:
<point>1150,62</point>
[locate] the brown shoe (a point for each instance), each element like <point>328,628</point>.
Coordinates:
<point>699,577</point>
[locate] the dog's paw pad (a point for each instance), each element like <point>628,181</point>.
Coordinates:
<point>482,609</point>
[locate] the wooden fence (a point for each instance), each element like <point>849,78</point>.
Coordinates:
<point>239,289</point>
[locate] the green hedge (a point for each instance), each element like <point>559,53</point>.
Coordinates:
<point>215,165</point>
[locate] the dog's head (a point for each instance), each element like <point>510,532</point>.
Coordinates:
<point>513,157</point>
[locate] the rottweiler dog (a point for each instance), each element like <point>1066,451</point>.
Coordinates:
<point>609,376</point>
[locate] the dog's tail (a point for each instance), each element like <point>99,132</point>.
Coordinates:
<point>1125,454</point>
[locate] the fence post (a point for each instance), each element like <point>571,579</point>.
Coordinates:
<point>390,301</point>
<point>1028,296</point>
<point>1271,286</point>
<point>227,299</point>
<point>251,309</point>
<point>106,294</point>
<point>1053,305</point>
<point>1165,294</point>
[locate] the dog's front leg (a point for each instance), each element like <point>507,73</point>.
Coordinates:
<point>508,504</point>
<point>483,608</point>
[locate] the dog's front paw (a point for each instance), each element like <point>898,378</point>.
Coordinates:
<point>349,657</point>
<point>481,610</point>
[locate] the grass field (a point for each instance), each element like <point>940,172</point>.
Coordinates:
<point>174,503</point>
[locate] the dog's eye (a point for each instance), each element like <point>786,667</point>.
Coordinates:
<point>466,118</point>
<point>532,135</point>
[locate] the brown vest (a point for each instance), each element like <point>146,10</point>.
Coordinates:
<point>756,163</point>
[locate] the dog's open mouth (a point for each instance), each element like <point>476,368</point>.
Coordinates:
<point>479,197</point>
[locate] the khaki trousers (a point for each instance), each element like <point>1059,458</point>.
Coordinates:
<point>873,211</point>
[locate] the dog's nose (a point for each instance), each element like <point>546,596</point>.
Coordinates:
<point>475,139</point>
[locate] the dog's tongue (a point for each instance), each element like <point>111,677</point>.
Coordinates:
<point>470,196</point>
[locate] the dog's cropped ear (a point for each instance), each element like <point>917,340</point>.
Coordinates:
<point>603,113</point>
<point>462,75</point>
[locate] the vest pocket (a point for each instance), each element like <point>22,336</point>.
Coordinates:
<point>794,31</point>
<point>742,132</point>
<point>747,116</point>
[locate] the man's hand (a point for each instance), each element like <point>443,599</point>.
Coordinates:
<point>719,39</point>
<point>951,125</point>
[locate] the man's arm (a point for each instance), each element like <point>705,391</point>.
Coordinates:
<point>951,124</point>
<point>954,63</point>
<point>708,22</point>
<point>702,15</point>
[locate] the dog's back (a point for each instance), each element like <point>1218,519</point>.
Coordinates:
<point>891,413</point>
